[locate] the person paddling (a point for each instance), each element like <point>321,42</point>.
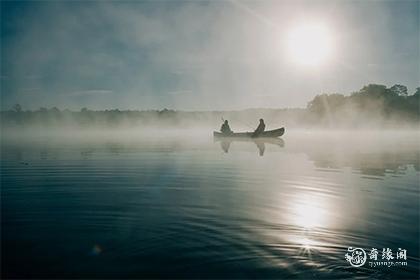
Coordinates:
<point>225,129</point>
<point>260,129</point>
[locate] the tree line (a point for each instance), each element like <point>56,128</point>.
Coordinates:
<point>373,105</point>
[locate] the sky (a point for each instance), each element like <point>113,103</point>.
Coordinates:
<point>199,55</point>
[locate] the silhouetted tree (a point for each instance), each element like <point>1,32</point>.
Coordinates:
<point>373,104</point>
<point>374,90</point>
<point>399,90</point>
<point>17,108</point>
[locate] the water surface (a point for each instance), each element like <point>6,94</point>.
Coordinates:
<point>173,206</point>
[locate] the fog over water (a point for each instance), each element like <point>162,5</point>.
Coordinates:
<point>110,167</point>
<point>158,203</point>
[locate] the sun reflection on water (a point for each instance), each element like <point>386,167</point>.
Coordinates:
<point>310,211</point>
<point>312,214</point>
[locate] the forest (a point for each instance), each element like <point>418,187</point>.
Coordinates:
<point>373,106</point>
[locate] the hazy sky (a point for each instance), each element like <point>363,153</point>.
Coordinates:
<point>198,55</point>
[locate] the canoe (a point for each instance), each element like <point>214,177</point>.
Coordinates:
<point>266,134</point>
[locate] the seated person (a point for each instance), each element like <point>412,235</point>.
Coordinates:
<point>225,129</point>
<point>259,129</point>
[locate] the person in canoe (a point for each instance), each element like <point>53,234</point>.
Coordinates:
<point>225,129</point>
<point>260,129</point>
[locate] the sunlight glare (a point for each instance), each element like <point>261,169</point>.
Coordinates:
<point>310,213</point>
<point>310,44</point>
<point>306,243</point>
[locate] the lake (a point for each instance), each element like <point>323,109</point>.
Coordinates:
<point>181,205</point>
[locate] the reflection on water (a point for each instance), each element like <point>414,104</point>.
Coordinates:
<point>177,207</point>
<point>260,143</point>
<point>310,211</point>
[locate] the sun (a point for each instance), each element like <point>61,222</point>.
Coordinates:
<point>310,44</point>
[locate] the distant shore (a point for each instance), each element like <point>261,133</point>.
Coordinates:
<point>374,106</point>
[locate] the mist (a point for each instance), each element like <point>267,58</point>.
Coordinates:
<point>196,56</point>
<point>373,107</point>
<point>228,139</point>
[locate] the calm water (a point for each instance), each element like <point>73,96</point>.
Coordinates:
<point>172,206</point>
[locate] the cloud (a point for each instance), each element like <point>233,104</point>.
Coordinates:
<point>92,92</point>
<point>178,92</point>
